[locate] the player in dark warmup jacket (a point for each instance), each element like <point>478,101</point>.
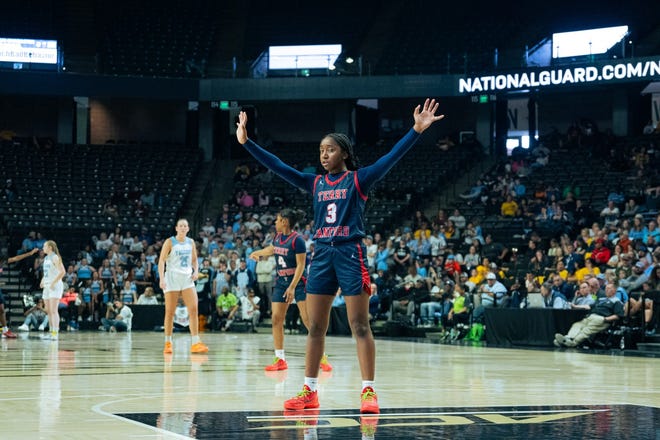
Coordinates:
<point>339,258</point>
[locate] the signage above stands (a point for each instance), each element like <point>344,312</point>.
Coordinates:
<point>536,78</point>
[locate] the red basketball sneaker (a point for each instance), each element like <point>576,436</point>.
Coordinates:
<point>304,400</point>
<point>277,365</point>
<point>369,401</point>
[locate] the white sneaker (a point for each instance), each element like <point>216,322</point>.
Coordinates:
<point>23,328</point>
<point>42,328</point>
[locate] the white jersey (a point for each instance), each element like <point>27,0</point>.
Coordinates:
<point>180,258</point>
<point>51,268</point>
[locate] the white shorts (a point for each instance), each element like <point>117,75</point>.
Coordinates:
<point>177,282</point>
<point>55,293</point>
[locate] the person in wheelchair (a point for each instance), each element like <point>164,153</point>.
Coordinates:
<point>603,313</point>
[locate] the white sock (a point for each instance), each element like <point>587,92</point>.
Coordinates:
<point>368,383</point>
<point>312,382</point>
<point>280,354</point>
<point>5,329</point>
<point>168,338</point>
<point>195,339</point>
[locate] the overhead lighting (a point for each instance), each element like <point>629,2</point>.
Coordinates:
<point>349,60</point>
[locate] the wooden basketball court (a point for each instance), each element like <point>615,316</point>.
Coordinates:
<point>100,385</point>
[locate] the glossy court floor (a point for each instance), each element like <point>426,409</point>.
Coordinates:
<point>120,386</point>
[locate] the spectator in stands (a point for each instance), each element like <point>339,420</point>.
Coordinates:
<point>103,244</point>
<point>402,257</point>
<point>222,279</point>
<point>147,298</point>
<point>265,280</point>
<point>509,207</point>
<point>601,253</point>
<point>450,231</point>
<point>110,210</point>
<point>610,214</point>
<point>589,270</point>
<point>493,293</point>
<point>253,224</point>
<point>471,259</point>
<point>635,282</point>
<point>495,252</point>
<point>241,172</point>
<point>245,278</point>
<point>429,308</point>
<point>250,309</point>
<point>383,254</point>
<point>84,270</point>
<point>263,200</point>
<point>474,192</point>
<point>631,208</point>
<point>418,219</point>
<point>9,190</point>
<point>128,293</point>
<point>572,260</point>
<point>244,199</point>
<point>605,311</point>
<point>638,232</point>
<point>148,197</point>
<point>70,277</point>
<point>106,274</point>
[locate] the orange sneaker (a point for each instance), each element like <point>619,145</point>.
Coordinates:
<point>199,347</point>
<point>325,365</point>
<point>277,365</point>
<point>168,348</point>
<point>304,400</point>
<point>369,401</point>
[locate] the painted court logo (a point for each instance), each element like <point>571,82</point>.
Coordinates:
<point>614,421</point>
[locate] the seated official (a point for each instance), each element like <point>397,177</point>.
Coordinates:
<point>553,299</point>
<point>604,313</point>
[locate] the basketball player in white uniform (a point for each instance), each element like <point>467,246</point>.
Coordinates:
<point>178,279</point>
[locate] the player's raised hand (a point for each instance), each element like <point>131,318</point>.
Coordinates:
<point>241,128</point>
<point>425,115</point>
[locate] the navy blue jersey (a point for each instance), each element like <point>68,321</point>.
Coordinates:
<point>285,248</point>
<point>338,208</point>
<point>346,223</point>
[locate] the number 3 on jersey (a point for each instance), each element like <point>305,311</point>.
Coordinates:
<point>331,217</point>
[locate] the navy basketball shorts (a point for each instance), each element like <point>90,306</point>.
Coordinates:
<point>278,293</point>
<point>339,265</point>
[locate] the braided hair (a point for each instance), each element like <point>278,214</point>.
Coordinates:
<point>352,162</point>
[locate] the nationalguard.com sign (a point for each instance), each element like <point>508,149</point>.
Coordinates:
<point>560,76</point>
